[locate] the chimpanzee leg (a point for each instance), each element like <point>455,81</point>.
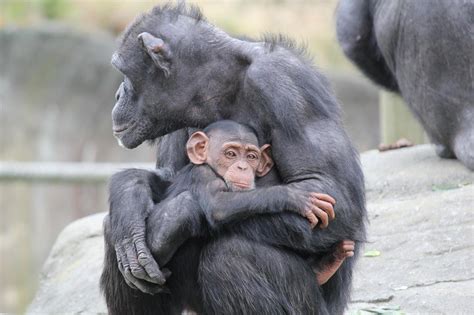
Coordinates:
<point>354,27</point>
<point>238,276</point>
<point>336,291</point>
<point>464,144</point>
<point>120,298</point>
<point>183,282</point>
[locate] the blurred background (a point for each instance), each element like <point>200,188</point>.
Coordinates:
<point>57,91</point>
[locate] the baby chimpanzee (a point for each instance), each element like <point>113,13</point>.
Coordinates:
<point>225,159</point>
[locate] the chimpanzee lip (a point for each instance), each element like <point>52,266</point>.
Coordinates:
<point>120,129</point>
<point>241,185</point>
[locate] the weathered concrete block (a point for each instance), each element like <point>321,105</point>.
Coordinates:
<point>70,276</point>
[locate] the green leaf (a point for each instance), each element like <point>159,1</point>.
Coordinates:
<point>372,253</point>
<point>381,310</point>
<point>445,186</point>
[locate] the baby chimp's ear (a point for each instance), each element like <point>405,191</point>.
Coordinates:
<point>266,161</point>
<point>197,148</point>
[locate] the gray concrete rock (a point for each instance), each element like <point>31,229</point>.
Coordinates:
<point>421,211</point>
<point>421,223</point>
<point>70,278</point>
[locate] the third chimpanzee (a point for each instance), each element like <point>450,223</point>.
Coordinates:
<point>424,51</point>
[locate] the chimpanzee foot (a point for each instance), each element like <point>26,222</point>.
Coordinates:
<point>444,152</point>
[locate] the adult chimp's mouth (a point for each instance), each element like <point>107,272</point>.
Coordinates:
<point>121,129</point>
<point>127,135</point>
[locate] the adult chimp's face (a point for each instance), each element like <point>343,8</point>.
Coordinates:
<point>148,104</point>
<point>165,81</point>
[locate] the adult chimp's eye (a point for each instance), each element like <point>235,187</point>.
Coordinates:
<point>230,154</point>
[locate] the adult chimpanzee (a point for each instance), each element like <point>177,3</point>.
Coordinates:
<point>424,51</point>
<point>181,71</point>
<point>225,157</point>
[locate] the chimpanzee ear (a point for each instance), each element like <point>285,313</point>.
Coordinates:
<point>158,50</point>
<point>197,147</point>
<point>266,161</point>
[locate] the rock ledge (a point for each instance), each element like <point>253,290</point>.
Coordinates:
<point>421,211</point>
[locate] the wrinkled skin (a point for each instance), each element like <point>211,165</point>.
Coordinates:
<point>181,71</point>
<point>422,49</point>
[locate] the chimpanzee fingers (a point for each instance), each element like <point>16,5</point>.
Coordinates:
<point>313,220</point>
<point>149,288</point>
<point>136,269</point>
<point>148,263</point>
<point>348,244</point>
<point>129,272</point>
<point>130,284</point>
<point>345,254</point>
<point>346,249</point>
<point>123,265</point>
<point>325,206</point>
<point>120,259</point>
<point>324,197</point>
<point>144,286</point>
<point>323,216</point>
<point>166,273</point>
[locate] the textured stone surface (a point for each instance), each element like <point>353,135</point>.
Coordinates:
<point>70,277</point>
<point>421,211</point>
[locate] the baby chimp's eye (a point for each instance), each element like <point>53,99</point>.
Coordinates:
<point>230,154</point>
<point>252,156</point>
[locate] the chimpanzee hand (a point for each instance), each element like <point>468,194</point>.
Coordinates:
<point>136,263</point>
<point>320,206</point>
<point>331,263</point>
<point>130,202</point>
<point>316,207</point>
<point>344,249</point>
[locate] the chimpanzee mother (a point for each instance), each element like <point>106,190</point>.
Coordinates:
<point>180,71</point>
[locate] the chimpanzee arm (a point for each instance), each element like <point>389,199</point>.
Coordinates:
<point>356,35</point>
<point>133,193</point>
<point>292,231</point>
<point>311,151</point>
<point>222,207</point>
<point>171,223</point>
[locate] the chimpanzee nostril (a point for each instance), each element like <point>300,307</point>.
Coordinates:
<point>242,166</point>
<point>119,91</point>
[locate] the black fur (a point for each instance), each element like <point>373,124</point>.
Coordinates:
<point>258,265</point>
<point>421,49</point>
